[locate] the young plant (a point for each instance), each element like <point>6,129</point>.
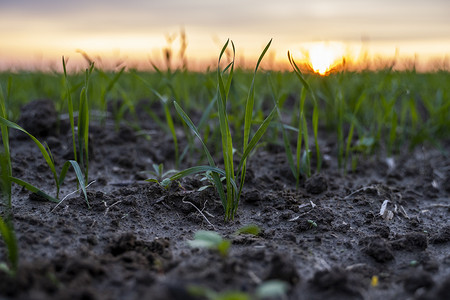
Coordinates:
<point>315,115</point>
<point>230,200</point>
<point>59,179</point>
<point>159,176</point>
<point>6,171</point>
<point>209,178</point>
<point>45,151</point>
<point>249,229</point>
<point>6,225</point>
<point>302,164</point>
<point>353,122</point>
<point>210,240</point>
<point>213,240</point>
<point>80,140</point>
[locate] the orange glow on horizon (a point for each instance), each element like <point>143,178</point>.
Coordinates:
<point>323,57</point>
<point>142,51</point>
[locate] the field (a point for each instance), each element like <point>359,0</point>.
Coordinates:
<point>226,184</point>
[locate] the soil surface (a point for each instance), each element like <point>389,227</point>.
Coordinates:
<point>326,239</point>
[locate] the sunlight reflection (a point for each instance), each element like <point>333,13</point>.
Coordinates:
<point>324,56</point>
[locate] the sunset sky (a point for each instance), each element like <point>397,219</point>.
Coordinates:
<point>38,33</point>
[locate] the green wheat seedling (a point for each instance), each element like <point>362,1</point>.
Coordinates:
<point>159,176</point>
<point>6,220</point>
<point>46,153</point>
<point>9,237</point>
<point>353,122</point>
<point>6,170</point>
<point>214,241</point>
<point>211,240</point>
<point>302,164</point>
<point>315,114</point>
<point>58,178</point>
<point>80,134</point>
<point>230,200</point>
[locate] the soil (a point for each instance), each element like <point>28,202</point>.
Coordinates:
<point>326,239</point>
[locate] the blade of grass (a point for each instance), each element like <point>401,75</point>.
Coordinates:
<point>201,169</point>
<point>286,143</point>
<point>250,146</point>
<point>248,117</point>
<point>79,175</point>
<point>83,124</point>
<point>216,178</point>
<point>33,189</point>
<point>307,161</point>
<point>353,122</point>
<point>315,116</point>
<point>70,108</point>
<point>9,237</point>
<point>6,156</point>
<point>227,143</point>
<point>300,134</point>
<point>41,147</point>
<point>6,226</point>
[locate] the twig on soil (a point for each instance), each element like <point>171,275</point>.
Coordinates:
<point>71,193</point>
<point>254,277</point>
<point>321,264</point>
<point>403,212</point>
<point>206,212</point>
<point>115,203</point>
<point>187,202</point>
<point>363,189</point>
<point>355,266</point>
<point>439,205</point>
<point>313,205</point>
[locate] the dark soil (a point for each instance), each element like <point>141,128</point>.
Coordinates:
<point>326,239</point>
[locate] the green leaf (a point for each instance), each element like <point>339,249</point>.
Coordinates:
<point>70,108</point>
<point>41,147</point>
<point>206,239</point>
<point>249,229</point>
<point>9,237</point>
<point>80,178</point>
<point>33,189</point>
<point>232,295</point>
<point>224,247</point>
<point>272,289</point>
<point>194,129</point>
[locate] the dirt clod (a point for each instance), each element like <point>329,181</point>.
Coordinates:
<point>418,280</point>
<point>316,184</point>
<point>283,268</point>
<point>379,249</point>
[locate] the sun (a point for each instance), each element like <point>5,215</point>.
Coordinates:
<point>324,56</point>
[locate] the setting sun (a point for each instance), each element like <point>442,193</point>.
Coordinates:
<point>324,56</point>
